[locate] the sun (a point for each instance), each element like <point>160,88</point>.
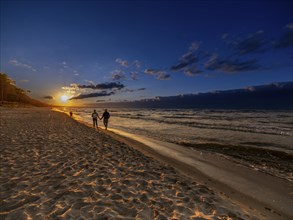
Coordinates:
<point>64,98</point>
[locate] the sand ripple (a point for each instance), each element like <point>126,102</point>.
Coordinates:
<point>55,168</point>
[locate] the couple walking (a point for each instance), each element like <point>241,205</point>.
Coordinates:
<point>105,116</point>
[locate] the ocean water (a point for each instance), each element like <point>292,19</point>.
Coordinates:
<point>190,127</point>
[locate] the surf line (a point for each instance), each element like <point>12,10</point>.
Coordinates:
<point>223,173</point>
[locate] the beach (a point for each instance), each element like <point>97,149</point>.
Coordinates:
<point>53,167</point>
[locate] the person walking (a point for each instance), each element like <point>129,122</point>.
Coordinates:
<point>95,117</point>
<point>106,116</point>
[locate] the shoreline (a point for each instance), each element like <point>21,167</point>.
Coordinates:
<point>244,195</point>
<point>266,200</point>
<point>216,171</point>
<point>65,169</point>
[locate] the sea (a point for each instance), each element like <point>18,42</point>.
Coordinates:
<point>264,129</point>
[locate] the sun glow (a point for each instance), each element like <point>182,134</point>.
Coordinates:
<point>64,98</point>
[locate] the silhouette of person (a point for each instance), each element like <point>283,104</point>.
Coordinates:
<point>106,116</point>
<point>70,114</point>
<point>95,117</point>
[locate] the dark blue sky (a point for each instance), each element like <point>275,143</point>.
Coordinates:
<point>129,50</point>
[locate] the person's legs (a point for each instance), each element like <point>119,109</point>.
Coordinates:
<point>106,123</point>
<point>95,122</point>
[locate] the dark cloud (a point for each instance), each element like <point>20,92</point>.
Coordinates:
<point>273,96</point>
<point>163,76</point>
<point>49,97</point>
<point>252,44</point>
<point>192,71</point>
<point>92,95</point>
<point>111,85</point>
<point>286,40</point>
<point>129,90</point>
<point>250,88</point>
<point>133,90</point>
<point>184,61</point>
<point>159,74</point>
<point>231,66</point>
<point>189,62</point>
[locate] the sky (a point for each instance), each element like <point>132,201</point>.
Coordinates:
<point>81,52</point>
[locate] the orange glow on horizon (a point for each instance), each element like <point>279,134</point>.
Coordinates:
<point>63,99</point>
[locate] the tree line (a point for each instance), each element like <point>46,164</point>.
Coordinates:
<point>10,93</point>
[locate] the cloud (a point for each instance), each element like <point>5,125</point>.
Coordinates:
<point>133,90</point>
<point>89,81</point>
<point>111,85</point>
<point>250,88</point>
<point>277,85</point>
<point>125,63</point>
<point>84,90</point>
<point>71,89</point>
<point>49,97</point>
<point>163,76</point>
<point>225,36</point>
<point>136,63</point>
<point>186,60</point>
<point>192,71</point>
<point>289,26</point>
<point>92,95</point>
<point>134,75</point>
<point>16,62</point>
<point>254,43</point>
<point>159,74</point>
<point>117,75</point>
<point>286,40</point>
<point>129,90</point>
<point>122,62</point>
<point>194,46</point>
<point>258,42</point>
<point>231,66</point>
<point>65,65</point>
<point>24,81</point>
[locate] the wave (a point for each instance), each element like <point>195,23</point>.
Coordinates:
<point>261,129</point>
<point>284,130</point>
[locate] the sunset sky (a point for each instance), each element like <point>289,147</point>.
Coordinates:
<point>93,51</point>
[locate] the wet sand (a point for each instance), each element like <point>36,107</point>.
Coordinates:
<point>53,167</point>
<point>245,184</point>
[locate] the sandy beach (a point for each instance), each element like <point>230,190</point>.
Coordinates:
<point>53,167</point>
